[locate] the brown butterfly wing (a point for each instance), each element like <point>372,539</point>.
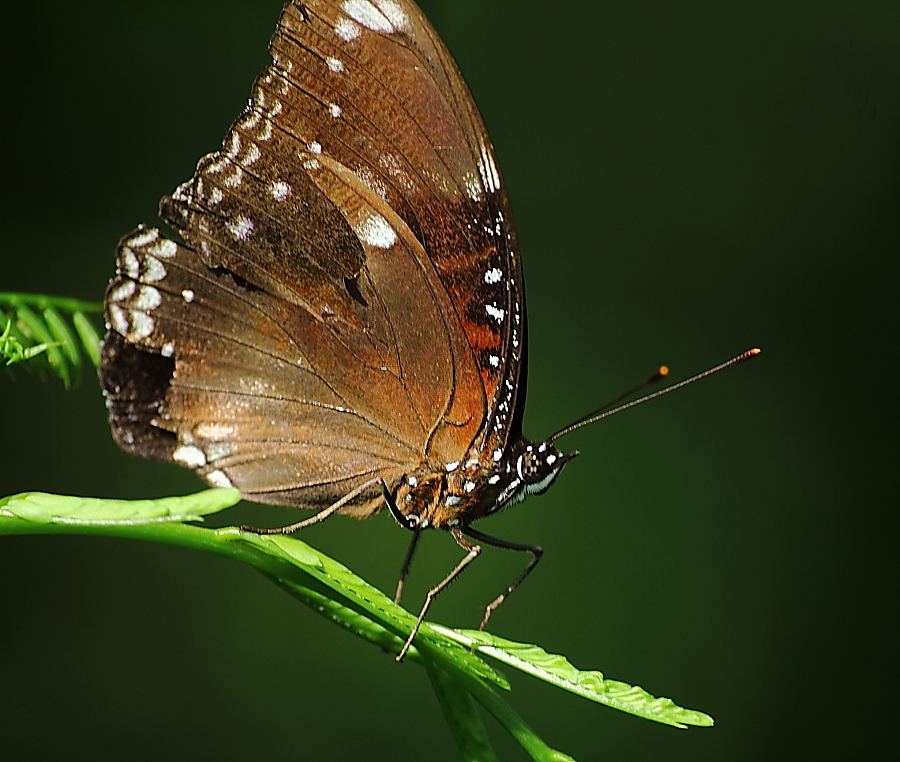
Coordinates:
<point>409,127</point>
<point>349,302</point>
<point>225,388</point>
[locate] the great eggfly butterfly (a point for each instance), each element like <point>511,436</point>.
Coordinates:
<point>342,327</point>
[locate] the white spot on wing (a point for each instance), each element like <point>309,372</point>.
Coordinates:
<point>335,64</point>
<point>314,147</point>
<point>141,326</point>
<point>495,312</point>
<point>144,237</point>
<point>168,349</point>
<point>375,231</point>
<point>153,270</point>
<point>252,155</point>
<point>148,298</point>
<point>123,291</point>
<point>347,30</point>
<point>118,319</point>
<point>241,228</point>
<point>218,479</point>
<point>189,455</point>
<point>396,15</point>
<point>235,178</point>
<point>494,275</point>
<point>280,190</point>
<point>165,249</point>
<point>371,17</point>
<point>129,264</point>
<point>187,295</point>
<point>250,121</point>
<point>212,169</point>
<point>334,110</point>
<point>234,145</point>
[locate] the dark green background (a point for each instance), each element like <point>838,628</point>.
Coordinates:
<point>690,179</point>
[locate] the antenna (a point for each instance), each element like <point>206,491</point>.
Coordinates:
<point>605,412</point>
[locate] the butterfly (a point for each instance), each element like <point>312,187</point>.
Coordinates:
<point>342,326</point>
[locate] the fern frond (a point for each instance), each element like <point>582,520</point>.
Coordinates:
<point>48,333</point>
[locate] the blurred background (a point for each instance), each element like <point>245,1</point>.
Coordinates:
<point>689,180</point>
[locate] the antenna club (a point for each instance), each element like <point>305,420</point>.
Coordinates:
<point>663,371</point>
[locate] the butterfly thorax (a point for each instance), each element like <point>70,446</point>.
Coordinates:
<point>458,493</point>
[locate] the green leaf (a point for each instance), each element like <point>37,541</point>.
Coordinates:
<point>559,671</point>
<point>35,330</point>
<point>365,597</point>
<point>274,555</point>
<point>13,346</point>
<point>44,508</point>
<point>452,658</point>
<point>508,718</point>
<point>26,335</point>
<point>88,335</point>
<point>63,336</point>
<point>461,714</point>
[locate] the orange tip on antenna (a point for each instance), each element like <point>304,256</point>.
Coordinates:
<point>608,410</point>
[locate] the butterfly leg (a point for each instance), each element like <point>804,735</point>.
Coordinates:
<point>320,516</point>
<point>535,551</point>
<point>404,522</point>
<point>472,551</point>
<point>404,569</point>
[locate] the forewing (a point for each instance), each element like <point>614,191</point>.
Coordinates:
<point>370,88</point>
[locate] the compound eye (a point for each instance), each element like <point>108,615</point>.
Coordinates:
<point>533,467</point>
<point>538,467</point>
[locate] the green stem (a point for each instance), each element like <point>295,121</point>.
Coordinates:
<point>503,712</point>
<point>461,714</point>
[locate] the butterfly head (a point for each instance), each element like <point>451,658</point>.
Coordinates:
<point>459,493</point>
<point>538,465</point>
